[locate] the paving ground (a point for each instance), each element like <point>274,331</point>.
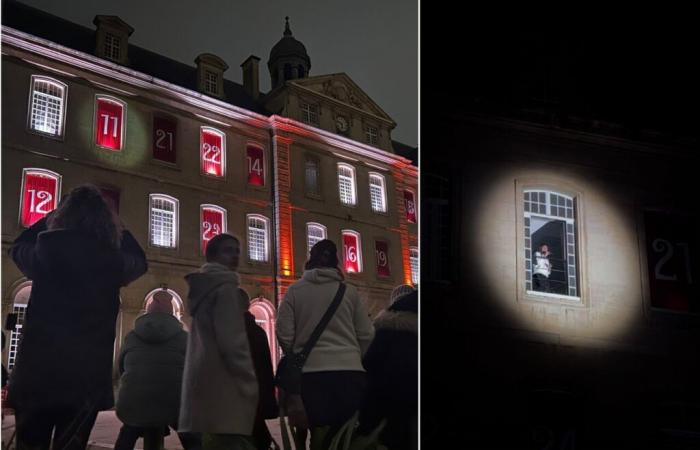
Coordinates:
<point>106,429</point>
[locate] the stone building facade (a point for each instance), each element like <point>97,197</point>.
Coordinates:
<point>184,154</point>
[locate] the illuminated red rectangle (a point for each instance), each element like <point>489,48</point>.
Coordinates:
<point>109,124</point>
<point>212,224</point>
<point>351,253</point>
<point>164,139</point>
<point>39,197</point>
<point>410,203</point>
<point>256,166</point>
<point>212,153</point>
<point>382,250</point>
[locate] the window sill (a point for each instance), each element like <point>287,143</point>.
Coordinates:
<point>535,294</point>
<point>53,137</point>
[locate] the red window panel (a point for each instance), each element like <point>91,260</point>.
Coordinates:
<point>256,166</point>
<point>213,223</point>
<point>110,118</point>
<point>164,139</point>
<point>212,152</point>
<point>410,203</point>
<point>39,196</point>
<point>351,253</point>
<point>382,250</point>
<point>111,196</point>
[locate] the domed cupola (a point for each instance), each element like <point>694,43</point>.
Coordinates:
<point>288,59</point>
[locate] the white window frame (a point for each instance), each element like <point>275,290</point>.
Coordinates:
<point>359,248</point>
<point>317,226</point>
<point>353,191</point>
<point>202,130</point>
<point>112,46</point>
<point>569,216</point>
<point>63,88</point>
<point>211,79</point>
<point>109,98</point>
<point>266,229</point>
<point>310,113</point>
<point>20,308</point>
<point>47,173</point>
<point>372,134</point>
<point>382,186</point>
<point>176,219</point>
<point>224,219</point>
<point>414,260</point>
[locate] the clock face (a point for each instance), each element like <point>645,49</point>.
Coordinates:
<point>341,123</point>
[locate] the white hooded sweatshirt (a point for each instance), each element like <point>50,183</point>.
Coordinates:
<point>542,265</point>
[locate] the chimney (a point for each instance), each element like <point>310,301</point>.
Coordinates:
<point>251,82</point>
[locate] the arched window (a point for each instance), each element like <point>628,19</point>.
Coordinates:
<point>19,309</point>
<point>212,222</point>
<point>377,192</point>
<point>164,220</point>
<point>176,301</point>
<point>110,115</point>
<point>352,251</point>
<point>287,72</point>
<point>346,184</point>
<point>47,106</point>
<point>265,317</point>
<point>258,238</point>
<point>314,232</point>
<point>311,176</point>
<point>550,243</point>
<point>41,190</point>
<point>212,149</point>
<point>301,71</point>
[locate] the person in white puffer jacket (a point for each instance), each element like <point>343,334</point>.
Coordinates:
<point>541,270</point>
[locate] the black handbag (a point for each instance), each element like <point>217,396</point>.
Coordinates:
<point>288,375</point>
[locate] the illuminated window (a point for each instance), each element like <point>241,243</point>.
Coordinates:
<point>109,122</point>
<point>346,184</point>
<point>211,82</point>
<point>381,250</point>
<point>311,176</point>
<point>409,199</point>
<point>164,221</point>
<point>19,308</point>
<point>257,237</point>
<point>47,106</point>
<point>164,133</point>
<point>314,232</point>
<point>256,165</point>
<point>352,251</point>
<point>309,113</point>
<point>212,223</point>
<point>550,220</point>
<point>377,192</point>
<point>112,46</point>
<point>212,151</point>
<point>372,135</point>
<point>176,301</point>
<point>413,256</point>
<point>41,190</point>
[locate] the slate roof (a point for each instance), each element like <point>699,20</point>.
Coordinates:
<point>406,151</point>
<point>61,31</point>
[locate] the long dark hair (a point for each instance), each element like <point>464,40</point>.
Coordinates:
<point>324,254</point>
<point>85,210</point>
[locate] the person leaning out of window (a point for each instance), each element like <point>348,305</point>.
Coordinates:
<point>542,269</point>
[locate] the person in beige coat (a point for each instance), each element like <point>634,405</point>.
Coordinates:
<point>220,388</point>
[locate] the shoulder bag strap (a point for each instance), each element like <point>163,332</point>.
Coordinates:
<point>322,324</point>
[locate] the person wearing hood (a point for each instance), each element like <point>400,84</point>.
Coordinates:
<point>333,378</point>
<point>219,388</point>
<point>151,363</point>
<point>77,257</point>
<point>392,374</point>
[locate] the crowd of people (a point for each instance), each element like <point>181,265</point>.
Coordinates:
<point>214,385</point>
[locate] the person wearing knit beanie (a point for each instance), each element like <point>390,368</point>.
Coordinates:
<point>400,291</point>
<point>162,302</point>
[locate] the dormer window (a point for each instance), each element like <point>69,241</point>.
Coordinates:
<point>210,74</point>
<point>112,46</point>
<point>210,82</point>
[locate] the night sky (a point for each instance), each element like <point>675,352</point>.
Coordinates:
<point>374,42</point>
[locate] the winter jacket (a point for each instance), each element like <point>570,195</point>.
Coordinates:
<point>67,346</point>
<point>151,363</point>
<point>346,337</point>
<point>219,388</point>
<point>542,265</point>
<point>262,360</point>
<point>392,373</point>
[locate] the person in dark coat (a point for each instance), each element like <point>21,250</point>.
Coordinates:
<point>262,360</point>
<point>151,363</point>
<point>78,257</point>
<point>392,375</point>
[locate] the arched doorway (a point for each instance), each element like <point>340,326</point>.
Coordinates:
<point>20,299</point>
<point>265,317</point>
<point>176,301</point>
